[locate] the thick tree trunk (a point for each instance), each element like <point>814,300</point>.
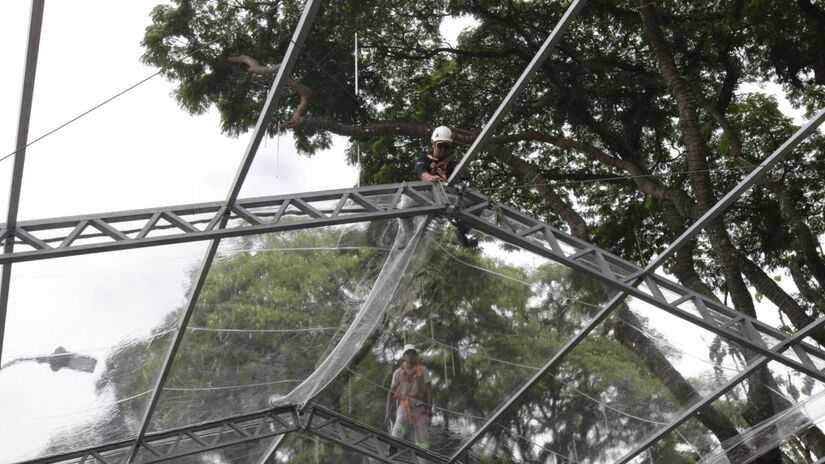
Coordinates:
<point>759,405</point>
<point>765,284</point>
<point>578,227</point>
<point>719,424</point>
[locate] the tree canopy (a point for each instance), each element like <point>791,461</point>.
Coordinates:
<point>643,117</point>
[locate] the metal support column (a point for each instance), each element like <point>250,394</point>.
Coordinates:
<point>803,133</point>
<point>528,73</point>
<point>32,51</point>
<point>750,369</point>
<point>264,119</point>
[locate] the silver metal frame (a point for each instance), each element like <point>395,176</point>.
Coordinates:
<point>367,440</point>
<point>528,73</point>
<point>274,423</point>
<point>264,119</point>
<point>184,441</point>
<point>78,235</point>
<point>32,51</point>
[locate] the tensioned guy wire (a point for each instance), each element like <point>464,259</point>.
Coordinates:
<point>104,102</point>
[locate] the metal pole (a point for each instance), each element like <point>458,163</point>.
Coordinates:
<point>264,119</point>
<point>758,363</point>
<point>548,366</point>
<point>487,132</point>
<point>272,99</point>
<point>273,448</point>
<point>27,95</point>
<point>737,191</point>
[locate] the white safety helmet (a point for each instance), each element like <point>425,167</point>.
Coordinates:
<point>442,134</point>
<point>410,347</point>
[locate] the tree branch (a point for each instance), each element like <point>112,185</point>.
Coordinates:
<point>304,92</point>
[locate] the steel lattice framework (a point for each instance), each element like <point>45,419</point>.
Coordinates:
<point>234,217</point>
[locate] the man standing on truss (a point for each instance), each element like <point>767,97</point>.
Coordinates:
<point>438,167</point>
<point>412,392</point>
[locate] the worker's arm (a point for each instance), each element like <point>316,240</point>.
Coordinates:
<point>422,172</point>
<point>390,398</point>
<point>427,177</point>
<point>428,395</point>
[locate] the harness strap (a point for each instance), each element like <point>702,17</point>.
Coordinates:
<point>404,400</point>
<point>438,167</point>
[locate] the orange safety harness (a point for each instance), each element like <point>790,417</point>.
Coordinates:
<point>438,167</point>
<point>402,394</point>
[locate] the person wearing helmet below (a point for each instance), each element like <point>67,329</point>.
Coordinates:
<point>412,391</point>
<point>438,167</point>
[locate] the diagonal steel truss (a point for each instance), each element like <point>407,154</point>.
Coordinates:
<point>78,235</point>
<point>272,424</point>
<point>185,441</point>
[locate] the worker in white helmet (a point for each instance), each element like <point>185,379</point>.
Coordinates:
<point>411,392</point>
<point>437,166</point>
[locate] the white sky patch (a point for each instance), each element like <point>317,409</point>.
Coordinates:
<point>453,26</point>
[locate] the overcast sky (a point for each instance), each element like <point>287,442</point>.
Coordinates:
<point>138,151</point>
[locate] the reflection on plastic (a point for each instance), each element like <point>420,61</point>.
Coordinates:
<point>747,446</point>
<point>368,317</point>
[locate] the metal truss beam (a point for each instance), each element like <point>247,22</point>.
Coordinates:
<point>278,423</point>
<point>367,440</point>
<point>739,378</point>
<point>185,441</point>
<point>26,97</point>
<point>522,230</point>
<point>300,211</point>
<point>515,91</point>
<point>655,290</point>
<point>739,189</point>
<point>78,235</point>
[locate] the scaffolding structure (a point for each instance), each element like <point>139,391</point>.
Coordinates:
<point>212,222</point>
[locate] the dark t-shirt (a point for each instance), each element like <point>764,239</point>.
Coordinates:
<point>425,164</point>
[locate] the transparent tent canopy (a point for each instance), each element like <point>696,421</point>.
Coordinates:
<point>266,327</point>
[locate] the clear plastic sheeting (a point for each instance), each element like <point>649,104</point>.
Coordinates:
<point>702,358</point>
<point>598,401</point>
<point>483,321</point>
<point>298,447</point>
<point>686,444</point>
<point>82,340</point>
<point>753,442</point>
<point>273,310</point>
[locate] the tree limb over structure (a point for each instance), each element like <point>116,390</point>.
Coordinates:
<point>304,92</point>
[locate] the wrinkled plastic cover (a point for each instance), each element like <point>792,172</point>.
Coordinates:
<point>753,442</point>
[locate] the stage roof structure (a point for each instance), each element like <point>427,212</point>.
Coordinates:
<point>222,377</point>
